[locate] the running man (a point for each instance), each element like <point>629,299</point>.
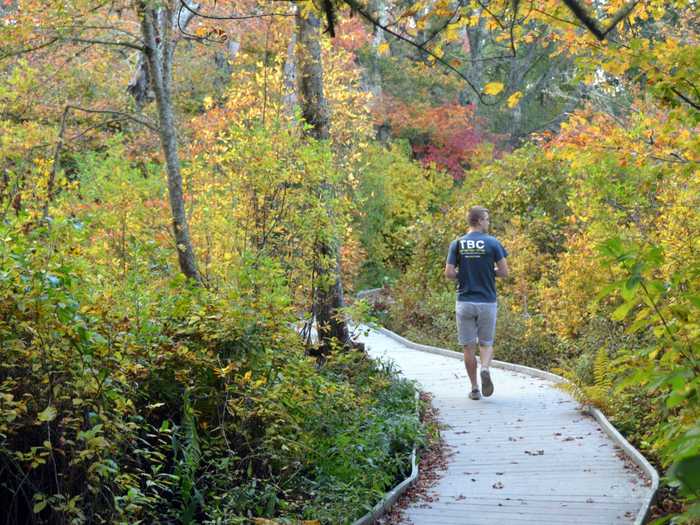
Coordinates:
<point>475,260</point>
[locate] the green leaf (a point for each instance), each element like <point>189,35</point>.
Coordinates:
<point>607,290</point>
<point>655,256</point>
<point>621,311</point>
<point>611,248</point>
<point>48,414</point>
<point>675,399</point>
<point>629,289</point>
<point>640,321</point>
<point>693,511</point>
<point>39,506</point>
<point>687,471</point>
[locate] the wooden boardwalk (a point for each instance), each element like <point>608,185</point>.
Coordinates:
<point>524,455</point>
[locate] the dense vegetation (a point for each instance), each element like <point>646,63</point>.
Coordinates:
<point>161,245</point>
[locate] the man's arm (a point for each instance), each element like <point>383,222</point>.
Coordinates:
<point>451,262</point>
<point>501,268</point>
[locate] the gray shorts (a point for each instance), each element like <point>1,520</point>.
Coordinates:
<point>476,322</point>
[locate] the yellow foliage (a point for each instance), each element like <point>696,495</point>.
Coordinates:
<point>493,88</point>
<point>526,263</point>
<point>514,99</point>
<point>575,278</point>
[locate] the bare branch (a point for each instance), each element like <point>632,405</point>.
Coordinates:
<point>114,29</point>
<point>128,116</point>
<point>28,49</point>
<point>194,11</point>
<point>103,42</point>
<point>684,98</point>
<point>516,5</point>
<point>580,12</point>
<point>355,6</point>
<point>559,19</point>
<point>447,22</point>
<point>55,168</point>
<point>56,163</point>
<point>492,15</point>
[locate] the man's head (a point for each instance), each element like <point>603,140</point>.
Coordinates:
<point>478,217</point>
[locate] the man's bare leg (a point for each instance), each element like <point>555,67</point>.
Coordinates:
<point>486,353</point>
<point>470,364</point>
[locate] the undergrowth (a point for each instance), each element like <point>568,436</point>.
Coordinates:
<point>147,400</point>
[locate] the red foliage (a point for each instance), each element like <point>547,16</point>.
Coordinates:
<point>446,136</point>
<point>453,156</point>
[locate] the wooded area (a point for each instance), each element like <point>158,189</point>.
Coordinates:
<point>189,191</point>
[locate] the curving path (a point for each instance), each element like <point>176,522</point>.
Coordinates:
<point>524,455</point>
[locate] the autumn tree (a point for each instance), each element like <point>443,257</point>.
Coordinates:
<point>328,296</point>
<point>527,66</point>
<point>109,28</point>
<point>157,32</point>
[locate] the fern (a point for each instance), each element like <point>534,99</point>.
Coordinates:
<point>596,394</point>
<point>190,455</point>
<point>602,373</point>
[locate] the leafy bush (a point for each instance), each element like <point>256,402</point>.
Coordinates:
<point>129,396</point>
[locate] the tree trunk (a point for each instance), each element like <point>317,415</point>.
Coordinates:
<point>328,299</point>
<point>160,61</point>
<point>223,60</point>
<point>140,84</point>
<point>289,99</point>
<point>314,108</point>
<point>475,38</point>
<point>374,74</point>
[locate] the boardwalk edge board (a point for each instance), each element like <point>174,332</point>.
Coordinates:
<point>394,494</point>
<point>632,453</point>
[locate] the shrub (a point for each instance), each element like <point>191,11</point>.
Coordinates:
<point>143,399</point>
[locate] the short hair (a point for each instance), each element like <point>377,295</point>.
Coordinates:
<point>476,213</point>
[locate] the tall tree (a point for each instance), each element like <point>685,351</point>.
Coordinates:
<point>34,28</point>
<point>157,33</point>
<point>328,297</point>
<point>290,77</point>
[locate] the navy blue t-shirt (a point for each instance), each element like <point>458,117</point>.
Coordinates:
<point>474,256</point>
